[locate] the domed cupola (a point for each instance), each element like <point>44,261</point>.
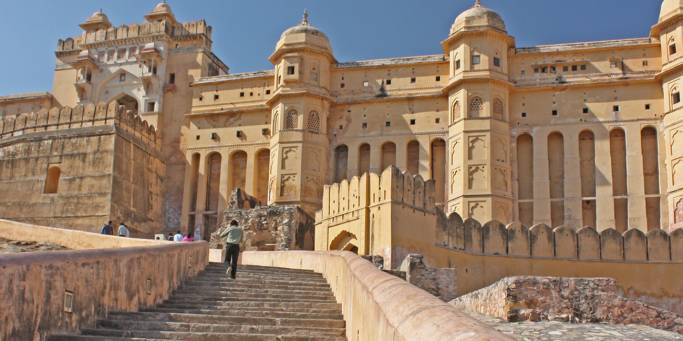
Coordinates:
<point>162,11</point>
<point>304,35</point>
<point>96,21</point>
<point>670,8</point>
<point>478,17</point>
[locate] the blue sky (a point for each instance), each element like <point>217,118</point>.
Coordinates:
<point>245,31</point>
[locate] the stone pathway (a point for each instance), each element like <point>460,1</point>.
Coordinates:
<point>13,246</point>
<point>533,331</point>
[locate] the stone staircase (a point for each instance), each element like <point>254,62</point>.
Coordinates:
<point>261,304</point>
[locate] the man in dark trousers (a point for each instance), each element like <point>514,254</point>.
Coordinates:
<point>233,237</point>
<point>108,229</point>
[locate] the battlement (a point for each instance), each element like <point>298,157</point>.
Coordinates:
<point>67,118</point>
<point>177,31</point>
<point>342,201</point>
<point>562,242</point>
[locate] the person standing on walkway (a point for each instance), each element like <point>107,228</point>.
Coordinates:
<point>107,229</point>
<point>233,238</point>
<point>178,237</point>
<point>123,230</point>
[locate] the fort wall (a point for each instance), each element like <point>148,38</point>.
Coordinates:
<point>79,167</point>
<point>62,291</point>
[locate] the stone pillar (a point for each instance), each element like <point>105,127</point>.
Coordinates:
<point>541,179</point>
<point>223,186</point>
<point>425,157</point>
<point>603,189</point>
<point>187,186</point>
<point>376,159</point>
<point>352,161</point>
<point>573,212</point>
<point>401,155</point>
<point>635,181</point>
<point>249,181</point>
<point>201,192</point>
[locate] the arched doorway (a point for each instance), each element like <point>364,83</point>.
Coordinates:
<point>128,102</point>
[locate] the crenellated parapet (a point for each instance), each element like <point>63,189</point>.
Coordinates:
<point>347,199</point>
<point>79,117</point>
<point>174,30</point>
<point>562,242</point>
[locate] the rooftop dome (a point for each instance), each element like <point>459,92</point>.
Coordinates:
<point>304,33</point>
<point>161,11</point>
<point>478,15</point>
<point>670,7</point>
<point>96,21</point>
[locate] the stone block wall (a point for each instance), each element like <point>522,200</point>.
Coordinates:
<point>438,282</point>
<point>106,162</point>
<point>268,228</point>
<point>562,242</point>
<point>582,300</point>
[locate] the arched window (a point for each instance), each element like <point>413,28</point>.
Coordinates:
<point>276,118</point>
<point>619,178</point>
<point>475,107</point>
<point>52,179</point>
<point>314,122</point>
<point>291,120</point>
<point>341,159</point>
<point>455,115</point>
<point>498,109</point>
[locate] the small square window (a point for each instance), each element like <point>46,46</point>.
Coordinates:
<point>268,92</point>
<point>523,114</point>
<point>585,110</point>
<point>342,85</point>
<point>122,77</point>
<point>644,62</point>
<point>476,59</point>
<point>583,66</point>
<point>554,112</point>
<point>365,125</point>
<point>216,97</point>
<point>615,108</point>
<point>412,121</point>
<point>672,49</point>
<point>544,69</point>
<point>412,79</point>
<point>290,70</point>
<point>197,137</point>
<point>201,98</point>
<point>151,106</point>
<point>438,78</point>
<point>496,61</point>
<point>241,94</point>
<point>388,82</point>
<point>575,68</point>
<point>171,78</point>
<point>437,120</point>
<point>366,84</point>
<point>647,107</point>
<point>387,124</point>
<point>457,64</point>
<point>676,97</point>
<point>565,68</point>
<point>251,94</point>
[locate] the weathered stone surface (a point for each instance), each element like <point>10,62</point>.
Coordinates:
<point>269,228</point>
<point>17,246</point>
<point>582,300</point>
<point>438,282</point>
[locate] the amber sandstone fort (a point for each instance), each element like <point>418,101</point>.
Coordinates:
<point>489,159</point>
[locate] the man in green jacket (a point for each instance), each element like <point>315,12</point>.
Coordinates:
<point>233,237</point>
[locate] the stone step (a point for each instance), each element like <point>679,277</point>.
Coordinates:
<point>226,294</point>
<point>152,329</point>
<point>241,286</point>
<point>253,283</point>
<point>219,271</point>
<point>248,290</point>
<point>200,337</point>
<point>253,304</point>
<point>228,299</point>
<point>225,320</point>
<point>218,266</point>
<point>332,314</point>
<point>243,276</point>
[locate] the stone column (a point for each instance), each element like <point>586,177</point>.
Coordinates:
<point>401,155</point>
<point>201,192</point>
<point>425,157</point>
<point>352,161</point>
<point>376,159</point>
<point>249,181</point>
<point>603,181</point>
<point>224,195</point>
<point>637,217</point>
<point>187,196</point>
<point>573,211</point>
<point>541,178</point>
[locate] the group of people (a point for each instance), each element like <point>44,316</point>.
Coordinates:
<point>122,231</point>
<point>179,237</point>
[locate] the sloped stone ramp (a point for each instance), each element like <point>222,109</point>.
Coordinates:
<point>263,303</point>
